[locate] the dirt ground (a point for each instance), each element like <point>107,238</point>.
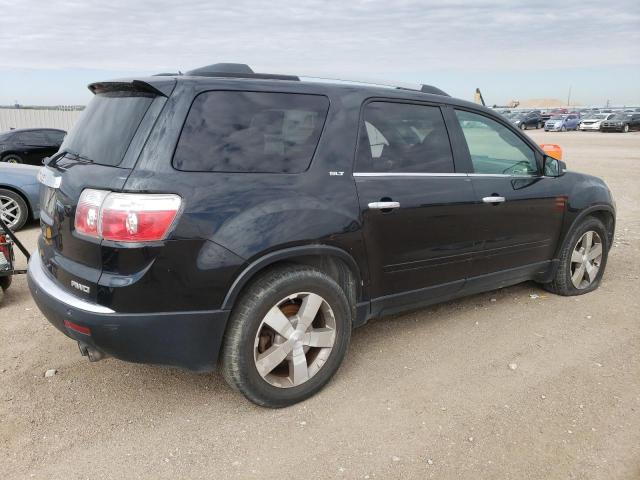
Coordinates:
<point>428,394</point>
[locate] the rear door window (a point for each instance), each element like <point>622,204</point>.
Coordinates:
<point>403,138</point>
<point>104,131</point>
<point>234,131</point>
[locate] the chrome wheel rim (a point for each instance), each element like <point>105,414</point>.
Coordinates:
<point>586,259</point>
<point>9,211</point>
<point>294,340</point>
<point>12,160</point>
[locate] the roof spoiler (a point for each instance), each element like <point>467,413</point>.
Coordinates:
<point>161,88</point>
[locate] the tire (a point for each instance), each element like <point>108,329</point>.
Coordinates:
<point>562,284</point>
<point>16,207</point>
<point>625,129</point>
<point>248,336</point>
<point>5,282</point>
<point>563,129</point>
<point>539,125</point>
<point>523,126</point>
<point>12,158</point>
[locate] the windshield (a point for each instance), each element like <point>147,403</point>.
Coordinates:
<point>557,117</point>
<point>600,116</point>
<point>620,116</point>
<point>105,129</point>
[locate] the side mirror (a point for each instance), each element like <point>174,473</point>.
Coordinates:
<point>554,167</point>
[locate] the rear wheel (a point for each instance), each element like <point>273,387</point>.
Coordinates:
<point>12,159</point>
<point>523,126</point>
<point>540,125</point>
<point>287,336</point>
<point>563,129</point>
<point>582,260</point>
<point>13,209</point>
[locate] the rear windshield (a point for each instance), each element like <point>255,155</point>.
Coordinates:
<point>229,131</point>
<point>105,129</point>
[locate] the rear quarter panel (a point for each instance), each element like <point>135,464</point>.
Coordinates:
<point>232,219</point>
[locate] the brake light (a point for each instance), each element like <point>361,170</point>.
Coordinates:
<point>88,212</point>
<point>126,217</point>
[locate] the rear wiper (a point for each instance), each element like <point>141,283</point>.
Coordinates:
<point>75,156</point>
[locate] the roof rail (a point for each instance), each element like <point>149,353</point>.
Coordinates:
<point>236,70</point>
<point>242,70</point>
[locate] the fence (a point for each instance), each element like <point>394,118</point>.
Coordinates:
<point>37,118</point>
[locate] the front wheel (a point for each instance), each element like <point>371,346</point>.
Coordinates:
<point>563,129</point>
<point>582,260</point>
<point>625,129</point>
<point>13,209</point>
<point>523,126</point>
<point>287,336</point>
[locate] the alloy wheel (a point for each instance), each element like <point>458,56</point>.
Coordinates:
<point>294,340</point>
<point>9,211</point>
<point>586,259</point>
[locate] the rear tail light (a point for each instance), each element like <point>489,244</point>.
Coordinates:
<point>126,217</point>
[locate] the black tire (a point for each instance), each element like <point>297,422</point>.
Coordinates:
<point>23,209</point>
<point>562,284</point>
<point>625,129</point>
<point>540,125</point>
<point>5,282</point>
<point>523,126</point>
<point>237,359</point>
<point>563,129</point>
<point>12,158</point>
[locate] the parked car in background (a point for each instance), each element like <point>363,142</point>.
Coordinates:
<point>19,194</point>
<point>30,145</point>
<point>253,222</point>
<point>621,122</point>
<point>527,120</point>
<point>562,123</point>
<point>594,122</point>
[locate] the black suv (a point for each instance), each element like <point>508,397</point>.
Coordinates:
<point>621,122</point>
<point>253,220</point>
<point>29,145</point>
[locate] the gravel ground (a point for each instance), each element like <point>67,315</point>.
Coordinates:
<point>429,394</point>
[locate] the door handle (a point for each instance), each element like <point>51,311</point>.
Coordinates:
<point>493,199</point>
<point>384,205</point>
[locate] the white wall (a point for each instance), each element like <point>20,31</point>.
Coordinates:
<point>30,118</point>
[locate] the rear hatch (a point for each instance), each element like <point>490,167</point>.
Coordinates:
<point>98,153</point>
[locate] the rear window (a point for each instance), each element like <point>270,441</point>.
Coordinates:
<point>251,132</point>
<point>105,129</point>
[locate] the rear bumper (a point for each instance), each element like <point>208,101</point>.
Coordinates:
<point>189,340</point>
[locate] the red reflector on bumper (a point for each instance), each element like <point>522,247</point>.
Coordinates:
<point>77,328</point>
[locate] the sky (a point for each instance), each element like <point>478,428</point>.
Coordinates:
<point>50,50</point>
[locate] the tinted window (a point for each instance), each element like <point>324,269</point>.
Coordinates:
<point>251,132</point>
<point>54,138</point>
<point>33,138</point>
<point>494,148</point>
<point>403,138</point>
<point>104,131</point>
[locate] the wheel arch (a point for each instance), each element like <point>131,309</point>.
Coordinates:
<point>334,261</point>
<point>603,212</point>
